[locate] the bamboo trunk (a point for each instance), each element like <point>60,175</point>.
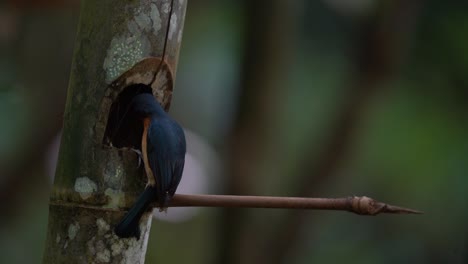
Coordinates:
<point>119,43</point>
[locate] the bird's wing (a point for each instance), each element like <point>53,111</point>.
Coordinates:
<point>177,169</point>
<point>166,156</point>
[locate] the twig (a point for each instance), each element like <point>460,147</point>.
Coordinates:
<point>357,204</point>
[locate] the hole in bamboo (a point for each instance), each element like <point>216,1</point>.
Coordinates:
<point>123,129</point>
<point>113,125</point>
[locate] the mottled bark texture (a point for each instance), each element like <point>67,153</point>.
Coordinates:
<point>119,43</point>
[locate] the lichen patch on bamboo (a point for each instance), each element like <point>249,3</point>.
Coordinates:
<point>123,53</point>
<point>85,187</point>
<point>179,36</point>
<point>72,230</point>
<point>172,26</point>
<point>133,249</point>
<point>156,19</point>
<point>166,7</point>
<point>114,198</point>
<point>117,247</point>
<point>106,247</point>
<point>103,227</point>
<point>103,256</point>
<point>132,45</point>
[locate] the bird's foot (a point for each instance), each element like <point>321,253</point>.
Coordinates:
<point>140,157</point>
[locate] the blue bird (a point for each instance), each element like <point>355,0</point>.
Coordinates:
<point>163,151</point>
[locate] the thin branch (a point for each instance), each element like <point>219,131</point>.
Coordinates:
<point>357,204</point>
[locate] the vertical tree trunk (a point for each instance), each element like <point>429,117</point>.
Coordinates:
<point>119,43</point>
<point>269,30</point>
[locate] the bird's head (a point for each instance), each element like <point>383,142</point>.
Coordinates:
<point>144,105</point>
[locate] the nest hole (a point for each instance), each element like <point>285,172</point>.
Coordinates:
<point>124,130</point>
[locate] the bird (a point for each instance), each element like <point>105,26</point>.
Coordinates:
<point>163,149</point>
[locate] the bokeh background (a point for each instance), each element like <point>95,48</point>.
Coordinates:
<point>325,98</point>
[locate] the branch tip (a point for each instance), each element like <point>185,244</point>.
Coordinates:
<point>367,206</point>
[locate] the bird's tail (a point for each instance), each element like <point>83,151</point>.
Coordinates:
<point>129,225</point>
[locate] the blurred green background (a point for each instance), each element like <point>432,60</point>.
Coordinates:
<point>301,98</point>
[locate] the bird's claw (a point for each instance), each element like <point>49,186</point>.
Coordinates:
<point>140,157</point>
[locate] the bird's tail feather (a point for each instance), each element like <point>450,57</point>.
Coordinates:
<point>129,225</point>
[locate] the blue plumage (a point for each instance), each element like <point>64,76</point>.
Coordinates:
<point>165,157</point>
